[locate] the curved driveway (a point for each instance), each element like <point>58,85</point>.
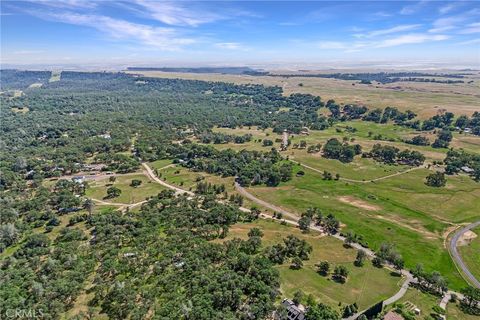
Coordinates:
<point>456,256</point>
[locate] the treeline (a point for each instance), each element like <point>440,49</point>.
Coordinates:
<point>16,79</point>
<point>221,138</point>
<point>391,155</point>
<point>381,77</point>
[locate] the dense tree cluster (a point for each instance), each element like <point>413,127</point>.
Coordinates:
<point>292,248</point>
<point>391,155</point>
<point>388,253</point>
<point>334,149</point>
<point>473,124</point>
<point>381,77</point>
<point>457,161</point>
<point>220,138</point>
<point>167,267</point>
<point>250,167</point>
<point>436,179</point>
<point>430,282</point>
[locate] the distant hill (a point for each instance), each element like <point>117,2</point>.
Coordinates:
<point>224,70</point>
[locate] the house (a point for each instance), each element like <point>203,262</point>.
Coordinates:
<point>392,315</point>
<point>305,131</point>
<point>93,167</point>
<point>78,179</point>
<point>467,169</point>
<point>294,312</point>
<point>105,136</point>
<point>129,254</point>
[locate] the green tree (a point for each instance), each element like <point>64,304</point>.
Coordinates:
<point>436,179</point>
<point>135,183</point>
<point>113,192</point>
<point>360,259</point>
<point>323,267</point>
<point>340,274</point>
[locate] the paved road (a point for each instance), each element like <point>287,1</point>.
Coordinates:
<point>456,256</point>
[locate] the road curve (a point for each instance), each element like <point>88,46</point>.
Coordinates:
<point>458,259</point>
<point>151,175</point>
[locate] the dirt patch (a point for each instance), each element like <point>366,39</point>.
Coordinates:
<point>358,203</point>
<point>466,238</point>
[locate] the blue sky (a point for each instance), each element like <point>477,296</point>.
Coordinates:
<point>142,32</point>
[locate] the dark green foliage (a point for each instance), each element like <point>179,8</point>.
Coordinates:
<point>321,312</point>
<point>433,283</point>
<point>340,274</point>
<point>436,179</point>
<point>418,141</point>
<point>323,268</point>
<point>135,183</point>
<point>334,149</point>
<point>113,192</point>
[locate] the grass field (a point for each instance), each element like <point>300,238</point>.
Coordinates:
<point>159,164</point>
<point>426,99</point>
<point>98,189</point>
<point>366,285</point>
<point>389,210</point>
<point>471,254</point>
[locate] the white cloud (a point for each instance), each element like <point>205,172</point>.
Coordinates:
<point>67,4</point>
<point>229,45</point>
<point>382,32</point>
<point>447,8</point>
<point>178,13</point>
<point>468,42</point>
<point>158,37</point>
<point>413,8</point>
<point>472,28</point>
<point>410,39</point>
<point>453,22</point>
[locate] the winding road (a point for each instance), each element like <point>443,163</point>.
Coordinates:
<point>293,220</point>
<point>458,259</point>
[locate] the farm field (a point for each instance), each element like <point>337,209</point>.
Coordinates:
<point>98,189</point>
<point>366,285</point>
<point>426,99</point>
<point>470,253</point>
